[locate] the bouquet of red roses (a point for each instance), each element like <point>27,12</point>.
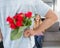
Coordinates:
<point>19,23</point>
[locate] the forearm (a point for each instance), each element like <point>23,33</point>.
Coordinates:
<point>1,38</point>
<point>49,21</point>
<point>45,25</point>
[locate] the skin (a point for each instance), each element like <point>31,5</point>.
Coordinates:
<point>37,18</point>
<point>37,21</point>
<point>51,18</point>
<point>1,35</point>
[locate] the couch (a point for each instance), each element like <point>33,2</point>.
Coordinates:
<point>52,36</point>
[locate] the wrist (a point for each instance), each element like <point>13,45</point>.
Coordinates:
<point>35,32</point>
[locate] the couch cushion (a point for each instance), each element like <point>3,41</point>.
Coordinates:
<point>54,28</point>
<point>52,36</point>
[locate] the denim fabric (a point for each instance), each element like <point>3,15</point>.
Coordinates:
<point>39,41</point>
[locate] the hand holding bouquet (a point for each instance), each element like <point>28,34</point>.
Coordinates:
<point>19,23</point>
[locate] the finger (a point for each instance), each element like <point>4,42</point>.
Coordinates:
<point>26,30</point>
<point>26,34</point>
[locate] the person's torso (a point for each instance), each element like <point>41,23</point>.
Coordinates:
<point>10,8</point>
<point>37,25</point>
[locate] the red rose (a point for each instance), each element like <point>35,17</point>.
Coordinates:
<point>18,24</point>
<point>15,17</point>
<point>18,17</point>
<point>10,20</point>
<point>28,14</point>
<point>12,25</point>
<point>21,13</point>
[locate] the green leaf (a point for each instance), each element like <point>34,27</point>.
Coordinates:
<point>17,36</point>
<point>13,33</point>
<point>22,28</point>
<point>33,16</point>
<point>27,22</point>
<point>17,33</point>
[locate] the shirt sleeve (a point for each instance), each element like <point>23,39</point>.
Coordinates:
<point>41,8</point>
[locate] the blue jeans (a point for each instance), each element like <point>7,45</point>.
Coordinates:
<point>39,41</point>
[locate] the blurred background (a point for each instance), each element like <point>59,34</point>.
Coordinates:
<point>52,35</point>
<point>55,5</point>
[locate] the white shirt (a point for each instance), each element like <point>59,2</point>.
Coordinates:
<point>11,7</point>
